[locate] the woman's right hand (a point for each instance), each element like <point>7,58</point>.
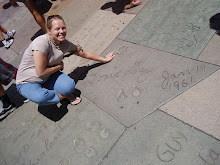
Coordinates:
<point>61,65</point>
<point>13,3</point>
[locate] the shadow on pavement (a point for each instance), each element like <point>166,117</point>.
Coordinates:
<point>81,72</point>
<point>37,34</point>
<point>117,6</point>
<point>53,112</point>
<point>7,5</point>
<point>15,96</point>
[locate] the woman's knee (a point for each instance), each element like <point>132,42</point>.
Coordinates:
<point>66,87</point>
<point>46,98</point>
<point>37,94</point>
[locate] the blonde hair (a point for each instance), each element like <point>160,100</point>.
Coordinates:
<point>51,18</point>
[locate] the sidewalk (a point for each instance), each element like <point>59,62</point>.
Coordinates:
<point>156,103</point>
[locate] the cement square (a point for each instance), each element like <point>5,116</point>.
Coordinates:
<point>76,13</point>
<point>24,34</point>
<point>139,80</point>
<point>6,14</point>
<point>211,52</point>
<point>95,38</point>
<point>83,135</point>
<point>2,162</point>
<point>160,139</point>
<point>8,55</point>
<point>199,106</point>
<point>17,21</point>
<point>177,27</point>
<point>59,6</point>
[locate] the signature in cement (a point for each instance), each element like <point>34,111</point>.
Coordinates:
<point>190,40</point>
<point>180,79</point>
<point>213,157</point>
<point>166,152</point>
<point>137,68</point>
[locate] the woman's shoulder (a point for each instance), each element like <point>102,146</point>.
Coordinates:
<point>40,43</point>
<point>41,38</point>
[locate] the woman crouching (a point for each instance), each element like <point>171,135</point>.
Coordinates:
<point>39,78</point>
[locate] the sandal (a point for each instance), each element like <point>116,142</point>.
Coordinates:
<point>76,101</point>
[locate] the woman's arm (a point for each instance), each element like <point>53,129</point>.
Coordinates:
<point>93,56</point>
<point>40,62</point>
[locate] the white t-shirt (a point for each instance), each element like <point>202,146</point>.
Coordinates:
<point>27,72</point>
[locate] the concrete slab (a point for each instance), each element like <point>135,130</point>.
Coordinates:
<point>139,80</point>
<point>8,55</point>
<point>210,53</point>
<point>16,22</point>
<point>77,12</point>
<point>2,160</point>
<point>24,34</point>
<point>59,6</point>
<point>179,27</point>
<point>161,139</point>
<point>6,14</point>
<point>199,106</point>
<point>83,134</point>
<point>16,62</point>
<point>117,6</point>
<point>95,38</point>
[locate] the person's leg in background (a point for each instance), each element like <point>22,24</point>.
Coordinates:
<point>7,105</point>
<point>133,4</point>
<point>6,43</point>
<point>40,19</point>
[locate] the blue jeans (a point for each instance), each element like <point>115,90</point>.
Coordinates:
<point>46,93</point>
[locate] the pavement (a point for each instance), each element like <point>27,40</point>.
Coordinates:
<point>156,103</point>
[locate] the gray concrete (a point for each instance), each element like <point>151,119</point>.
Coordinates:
<point>179,27</point>
<point>23,22</point>
<point>147,79</point>
<point>8,55</point>
<point>199,106</point>
<point>19,19</point>
<point>211,54</point>
<point>121,119</point>
<point>28,137</point>
<point>24,35</point>
<point>95,38</point>
<point>7,14</point>
<point>160,139</point>
<point>83,9</point>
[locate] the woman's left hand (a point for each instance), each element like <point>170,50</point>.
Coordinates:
<point>109,56</point>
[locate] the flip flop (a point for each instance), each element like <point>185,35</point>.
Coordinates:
<point>76,99</point>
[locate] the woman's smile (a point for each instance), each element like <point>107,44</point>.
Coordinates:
<point>58,31</point>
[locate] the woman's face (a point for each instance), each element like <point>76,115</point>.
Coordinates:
<point>57,31</point>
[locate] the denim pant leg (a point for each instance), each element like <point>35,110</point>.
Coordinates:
<point>61,83</point>
<point>37,94</point>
